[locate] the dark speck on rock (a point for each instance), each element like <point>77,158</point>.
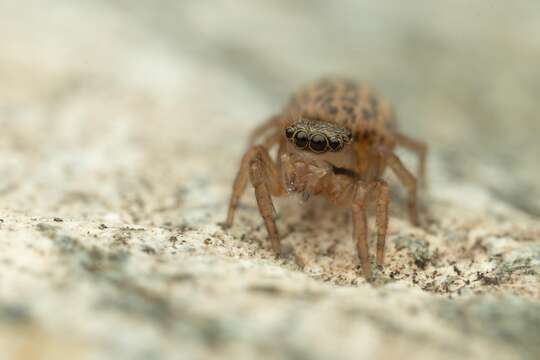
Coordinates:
<point>12,313</point>
<point>148,250</point>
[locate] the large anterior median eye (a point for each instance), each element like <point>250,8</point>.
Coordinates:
<point>300,139</point>
<point>318,143</point>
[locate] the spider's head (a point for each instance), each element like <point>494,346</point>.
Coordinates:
<point>317,136</point>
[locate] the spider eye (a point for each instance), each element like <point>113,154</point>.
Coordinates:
<point>318,143</point>
<point>300,139</point>
<point>335,144</point>
<point>289,132</point>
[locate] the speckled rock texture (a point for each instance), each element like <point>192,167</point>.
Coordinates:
<point>122,125</point>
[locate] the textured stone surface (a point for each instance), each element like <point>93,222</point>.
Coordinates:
<point>122,125</point>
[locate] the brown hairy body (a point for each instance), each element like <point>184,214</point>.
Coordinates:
<point>335,139</point>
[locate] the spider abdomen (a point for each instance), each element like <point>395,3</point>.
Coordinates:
<point>348,104</point>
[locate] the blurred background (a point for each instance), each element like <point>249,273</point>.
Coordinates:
<point>462,75</point>
<point>117,111</point>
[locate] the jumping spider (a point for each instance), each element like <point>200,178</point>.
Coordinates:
<point>335,138</point>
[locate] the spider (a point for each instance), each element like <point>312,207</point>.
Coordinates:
<point>335,139</point>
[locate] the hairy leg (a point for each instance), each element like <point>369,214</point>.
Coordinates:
<point>269,171</point>
<point>407,179</point>
<point>380,187</point>
<point>360,235</point>
<point>258,177</point>
<point>420,149</point>
<point>271,140</point>
<point>383,199</point>
<point>272,123</point>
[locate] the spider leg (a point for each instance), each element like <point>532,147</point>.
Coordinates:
<point>380,188</point>
<point>262,129</point>
<point>262,171</point>
<point>271,140</point>
<point>383,199</point>
<point>406,178</point>
<point>420,149</point>
<point>360,234</point>
<point>258,178</point>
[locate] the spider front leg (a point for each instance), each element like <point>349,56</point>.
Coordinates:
<point>258,179</point>
<point>264,128</point>
<point>363,190</point>
<point>381,218</point>
<point>264,176</point>
<point>360,234</point>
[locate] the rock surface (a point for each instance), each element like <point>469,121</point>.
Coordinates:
<point>122,126</point>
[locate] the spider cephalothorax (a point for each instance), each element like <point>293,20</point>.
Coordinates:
<point>318,136</point>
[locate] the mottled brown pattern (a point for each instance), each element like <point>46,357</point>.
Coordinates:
<point>346,103</point>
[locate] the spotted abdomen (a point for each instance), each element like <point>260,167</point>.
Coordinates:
<point>346,103</point>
